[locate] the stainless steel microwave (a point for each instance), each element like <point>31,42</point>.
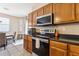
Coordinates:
<point>45,19</point>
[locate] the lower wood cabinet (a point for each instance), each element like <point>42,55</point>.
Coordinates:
<point>25,42</point>
<point>73,50</point>
<point>28,43</point>
<point>58,49</point>
<point>63,49</point>
<point>57,52</point>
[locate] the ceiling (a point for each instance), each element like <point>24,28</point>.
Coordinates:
<point>19,9</point>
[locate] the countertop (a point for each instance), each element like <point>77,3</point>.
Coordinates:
<point>69,41</point>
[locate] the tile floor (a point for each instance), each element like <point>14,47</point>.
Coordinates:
<point>14,49</point>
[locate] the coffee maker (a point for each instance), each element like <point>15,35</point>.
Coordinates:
<point>32,31</point>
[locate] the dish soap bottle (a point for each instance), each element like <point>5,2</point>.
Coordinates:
<point>56,35</point>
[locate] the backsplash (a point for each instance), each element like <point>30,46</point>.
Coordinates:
<point>50,28</point>
<point>68,28</point>
<point>65,29</point>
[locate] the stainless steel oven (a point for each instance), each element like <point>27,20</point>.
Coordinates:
<point>45,19</point>
<point>44,47</point>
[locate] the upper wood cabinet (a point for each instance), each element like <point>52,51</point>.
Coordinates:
<point>58,49</point>
<point>48,8</point>
<point>73,50</point>
<point>77,11</point>
<point>34,18</point>
<point>63,12</point>
<point>30,20</point>
<point>40,12</point>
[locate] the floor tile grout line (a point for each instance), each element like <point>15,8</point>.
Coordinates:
<point>17,49</point>
<point>9,51</point>
<point>14,47</point>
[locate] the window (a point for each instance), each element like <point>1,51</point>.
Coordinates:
<point>26,27</point>
<point>4,24</point>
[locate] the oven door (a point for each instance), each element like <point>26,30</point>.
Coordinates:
<point>44,47</point>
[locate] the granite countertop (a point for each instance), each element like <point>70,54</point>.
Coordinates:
<point>66,38</point>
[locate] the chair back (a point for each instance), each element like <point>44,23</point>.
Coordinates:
<point>14,35</point>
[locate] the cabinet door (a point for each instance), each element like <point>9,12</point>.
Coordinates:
<point>30,20</point>
<point>57,52</point>
<point>58,48</point>
<point>40,12</point>
<point>34,18</point>
<point>48,8</point>
<point>63,12</point>
<point>25,42</point>
<point>77,11</point>
<point>30,44</point>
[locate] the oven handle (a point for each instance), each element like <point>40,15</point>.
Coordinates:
<point>42,40</point>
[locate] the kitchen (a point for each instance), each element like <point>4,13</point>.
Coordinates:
<point>53,30</point>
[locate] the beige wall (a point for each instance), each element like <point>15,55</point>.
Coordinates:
<point>14,22</point>
<point>69,28</point>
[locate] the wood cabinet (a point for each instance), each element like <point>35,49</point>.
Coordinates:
<point>25,42</point>
<point>28,43</point>
<point>48,8</point>
<point>30,20</point>
<point>57,52</point>
<point>58,49</point>
<point>34,18</point>
<point>73,50</point>
<point>29,46</point>
<point>77,11</point>
<point>63,12</point>
<point>40,12</point>
<point>73,54</point>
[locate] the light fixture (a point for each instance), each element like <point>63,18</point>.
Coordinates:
<point>0,21</point>
<point>5,8</point>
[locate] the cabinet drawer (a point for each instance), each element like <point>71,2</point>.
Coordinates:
<point>58,45</point>
<point>74,48</point>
